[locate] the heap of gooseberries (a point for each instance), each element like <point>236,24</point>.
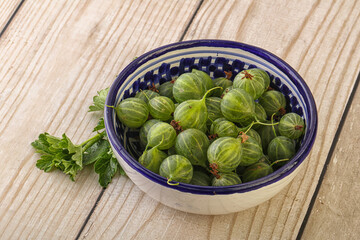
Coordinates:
<point>213,132</point>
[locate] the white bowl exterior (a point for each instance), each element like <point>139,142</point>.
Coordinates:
<point>205,204</point>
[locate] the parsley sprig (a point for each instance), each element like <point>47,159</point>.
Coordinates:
<point>64,155</point>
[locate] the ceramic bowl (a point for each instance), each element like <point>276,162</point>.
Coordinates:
<point>214,57</point>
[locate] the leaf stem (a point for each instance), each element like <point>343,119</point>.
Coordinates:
<point>88,143</point>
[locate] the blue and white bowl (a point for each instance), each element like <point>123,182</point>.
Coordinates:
<point>213,57</point>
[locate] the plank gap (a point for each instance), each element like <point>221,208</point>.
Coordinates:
<point>90,214</point>
<point>191,21</point>
<point>11,18</point>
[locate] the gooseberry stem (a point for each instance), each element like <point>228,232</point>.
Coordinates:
<point>147,145</point>
<point>252,124</point>
<point>207,92</point>
<point>113,107</point>
<point>272,121</point>
<point>210,119</point>
<point>280,160</point>
<point>170,183</point>
<point>261,123</point>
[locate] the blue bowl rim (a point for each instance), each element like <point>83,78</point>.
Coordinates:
<point>277,175</point>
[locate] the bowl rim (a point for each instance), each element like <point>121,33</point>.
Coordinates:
<point>279,174</point>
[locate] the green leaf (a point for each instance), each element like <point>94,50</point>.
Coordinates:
<point>76,150</point>
<point>95,152</point>
<point>120,169</point>
<point>58,153</point>
<point>54,142</point>
<point>41,145</point>
<point>99,101</point>
<point>106,167</point>
<point>71,168</point>
<point>100,125</point>
<point>64,155</point>
<point>45,163</point>
<point>58,163</point>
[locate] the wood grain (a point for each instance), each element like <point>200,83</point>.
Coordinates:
<point>336,212</point>
<point>7,8</point>
<point>320,39</point>
<point>54,57</point>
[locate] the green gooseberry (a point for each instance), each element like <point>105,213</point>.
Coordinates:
<point>281,148</point>
<point>259,115</point>
<point>161,108</point>
<point>237,106</point>
<point>225,128</point>
<point>292,126</point>
<point>256,171</point>
<point>215,122</point>
<point>213,109</point>
<point>200,178</point>
<point>166,89</point>
<point>226,90</point>
<point>144,131</point>
<point>132,112</point>
<point>260,112</point>
<point>192,113</point>
<point>193,144</point>
<point>273,102</point>
<point>251,151</point>
<point>205,78</point>
<point>152,159</point>
<point>254,134</point>
<point>224,154</point>
<point>188,86</point>
<point>176,168</point>
<point>265,76</point>
<point>161,134</point>
<point>222,82</point>
<point>267,133</point>
<point>146,95</point>
<point>226,179</point>
<point>251,81</point>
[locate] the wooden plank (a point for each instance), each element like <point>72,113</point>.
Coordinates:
<point>336,211</point>
<point>54,57</point>
<point>7,8</point>
<point>321,41</point>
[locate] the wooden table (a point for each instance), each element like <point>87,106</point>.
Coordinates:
<point>55,56</point>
